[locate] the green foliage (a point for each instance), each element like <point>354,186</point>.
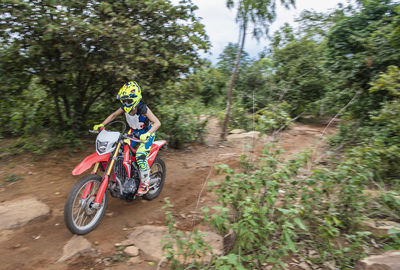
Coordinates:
<point>389,204</point>
<point>300,79</point>
<point>11,178</point>
<point>226,60</point>
<point>277,210</point>
<point>43,142</point>
<point>377,140</point>
<point>394,236</point>
<point>273,117</point>
<point>360,46</point>
<point>388,82</point>
<point>181,123</point>
<point>183,248</point>
<point>80,53</point>
<point>254,86</point>
<point>259,13</point>
<point>252,83</point>
<point>230,261</point>
<point>239,117</point>
<point>267,119</point>
<point>206,84</point>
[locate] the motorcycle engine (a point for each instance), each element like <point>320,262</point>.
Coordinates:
<point>129,185</point>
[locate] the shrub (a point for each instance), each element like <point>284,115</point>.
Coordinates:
<point>272,117</point>
<point>239,117</point>
<point>181,123</point>
<point>276,210</point>
<point>377,137</point>
<point>43,142</point>
<point>267,119</point>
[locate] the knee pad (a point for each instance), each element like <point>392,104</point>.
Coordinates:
<point>141,160</point>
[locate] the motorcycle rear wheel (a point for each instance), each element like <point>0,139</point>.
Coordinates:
<point>79,214</point>
<point>158,171</point>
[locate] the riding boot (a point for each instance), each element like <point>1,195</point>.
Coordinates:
<point>145,182</point>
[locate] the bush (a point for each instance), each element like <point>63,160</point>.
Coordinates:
<point>272,117</point>
<point>375,140</point>
<point>43,142</point>
<point>181,124</point>
<point>274,211</point>
<point>239,117</point>
<point>265,120</point>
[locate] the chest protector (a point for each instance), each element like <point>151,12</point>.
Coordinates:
<point>138,121</point>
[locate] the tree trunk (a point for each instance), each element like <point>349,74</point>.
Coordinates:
<point>59,116</point>
<point>242,38</point>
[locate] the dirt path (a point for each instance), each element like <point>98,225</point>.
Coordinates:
<point>39,244</point>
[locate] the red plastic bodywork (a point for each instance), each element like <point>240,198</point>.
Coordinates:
<point>88,162</point>
<point>153,151</point>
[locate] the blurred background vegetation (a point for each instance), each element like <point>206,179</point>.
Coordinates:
<point>61,65</point>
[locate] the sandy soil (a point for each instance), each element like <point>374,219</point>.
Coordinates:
<point>39,244</point>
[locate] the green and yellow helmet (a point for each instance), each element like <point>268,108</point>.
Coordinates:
<point>130,95</point>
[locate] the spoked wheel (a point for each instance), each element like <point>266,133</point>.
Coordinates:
<point>157,175</point>
<point>80,214</point>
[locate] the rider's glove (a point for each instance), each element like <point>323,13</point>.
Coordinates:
<point>145,136</point>
<point>98,127</point>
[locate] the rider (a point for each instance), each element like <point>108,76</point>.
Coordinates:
<point>143,125</point>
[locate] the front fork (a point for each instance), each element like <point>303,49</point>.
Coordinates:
<point>104,183</point>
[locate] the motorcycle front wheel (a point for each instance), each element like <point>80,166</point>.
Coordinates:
<point>80,215</point>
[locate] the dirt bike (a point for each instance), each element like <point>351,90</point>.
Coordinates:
<point>87,201</point>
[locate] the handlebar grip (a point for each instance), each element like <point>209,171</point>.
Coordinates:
<point>134,139</point>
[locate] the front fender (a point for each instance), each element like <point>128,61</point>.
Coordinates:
<point>88,162</point>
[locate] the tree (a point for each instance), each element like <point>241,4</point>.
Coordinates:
<point>300,77</point>
<point>259,13</point>
<point>81,52</point>
<point>359,46</point>
<point>226,60</point>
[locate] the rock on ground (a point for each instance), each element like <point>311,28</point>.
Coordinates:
<point>132,251</point>
<point>247,135</point>
<point>76,246</point>
<point>237,131</point>
<point>148,239</point>
<point>134,260</point>
<point>16,213</point>
<point>387,261</point>
<point>380,227</point>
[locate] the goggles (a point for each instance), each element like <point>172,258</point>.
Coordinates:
<point>127,101</point>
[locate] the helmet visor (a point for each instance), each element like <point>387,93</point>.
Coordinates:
<point>127,101</point>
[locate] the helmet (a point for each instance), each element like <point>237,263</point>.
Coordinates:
<point>130,95</point>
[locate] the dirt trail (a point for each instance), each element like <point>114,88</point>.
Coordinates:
<point>39,244</point>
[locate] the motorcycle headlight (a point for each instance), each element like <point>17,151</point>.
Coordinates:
<point>101,147</point>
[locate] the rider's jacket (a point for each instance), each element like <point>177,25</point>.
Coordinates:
<point>138,121</point>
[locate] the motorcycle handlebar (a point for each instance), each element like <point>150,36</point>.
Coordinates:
<point>134,139</point>
<point>123,136</point>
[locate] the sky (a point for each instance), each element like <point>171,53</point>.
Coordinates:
<point>221,28</point>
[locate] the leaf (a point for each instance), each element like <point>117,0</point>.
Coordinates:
<point>285,211</point>
<point>300,223</point>
<point>393,231</point>
<point>289,241</point>
<point>231,259</point>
